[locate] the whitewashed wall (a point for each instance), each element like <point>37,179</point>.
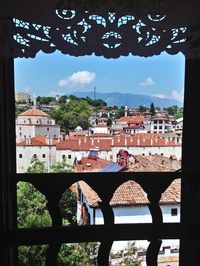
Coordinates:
<point>165,150</point>
<point>24,131</point>
<point>138,214</point>
<point>28,152</point>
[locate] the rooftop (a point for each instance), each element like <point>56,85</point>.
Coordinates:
<point>33,112</point>
<point>131,194</point>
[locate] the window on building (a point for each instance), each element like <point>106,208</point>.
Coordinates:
<point>43,155</point>
<point>20,155</point>
<point>69,156</point>
<point>63,156</point>
<point>47,128</point>
<point>174,212</point>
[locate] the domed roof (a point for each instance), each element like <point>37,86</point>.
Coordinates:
<point>33,112</point>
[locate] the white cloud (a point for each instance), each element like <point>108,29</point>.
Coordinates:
<point>147,82</point>
<point>78,78</point>
<point>177,95</point>
<point>162,96</point>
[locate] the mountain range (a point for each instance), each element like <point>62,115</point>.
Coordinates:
<point>129,99</point>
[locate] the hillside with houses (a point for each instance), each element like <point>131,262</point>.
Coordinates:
<point>107,139</point>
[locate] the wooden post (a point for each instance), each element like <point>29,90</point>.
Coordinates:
<point>190,210</point>
<point>7,158</point>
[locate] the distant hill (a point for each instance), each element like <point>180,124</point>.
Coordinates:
<point>132,100</point>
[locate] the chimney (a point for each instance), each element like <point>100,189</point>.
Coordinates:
<point>29,140</point>
<point>26,141</point>
<point>125,140</point>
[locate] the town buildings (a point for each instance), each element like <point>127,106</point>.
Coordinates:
<point>22,97</point>
<point>40,137</point>
<point>34,122</point>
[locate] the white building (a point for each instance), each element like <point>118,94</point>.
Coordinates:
<point>179,124</point>
<point>44,148</point>
<point>100,128</point>
<point>160,124</point>
<point>34,122</point>
<point>130,205</point>
<point>108,146</point>
<point>128,121</point>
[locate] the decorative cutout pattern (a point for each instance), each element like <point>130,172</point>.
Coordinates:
<point>105,33</point>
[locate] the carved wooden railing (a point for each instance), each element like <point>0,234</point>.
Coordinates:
<point>104,184</point>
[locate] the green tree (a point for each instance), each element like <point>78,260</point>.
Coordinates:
<point>179,113</point>
<point>17,111</point>
<point>62,99</point>
<point>152,109</point>
<point>172,110</point>
<point>71,114</point>
<point>36,166</point>
<point>129,256</point>
<point>119,113</point>
<point>32,212</point>
<point>142,108</point>
<point>109,122</point>
<point>45,100</point>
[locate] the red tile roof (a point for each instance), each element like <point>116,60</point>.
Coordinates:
<point>139,139</point>
<point>101,135</point>
<point>153,163</point>
<point>159,118</point>
<point>91,165</point>
<point>131,119</point>
<point>84,144</point>
<point>131,194</point>
<point>33,112</point>
<point>39,140</point>
<point>102,119</point>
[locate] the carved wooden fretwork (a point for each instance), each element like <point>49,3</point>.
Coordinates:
<point>108,33</point>
<point>45,183</point>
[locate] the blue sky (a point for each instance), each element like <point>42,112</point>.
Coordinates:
<point>49,74</point>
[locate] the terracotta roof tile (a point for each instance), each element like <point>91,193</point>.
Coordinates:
<point>131,194</point>
<point>131,119</point>
<point>39,140</point>
<point>33,112</point>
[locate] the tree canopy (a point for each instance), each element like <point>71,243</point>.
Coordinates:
<point>32,212</point>
<point>71,114</point>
